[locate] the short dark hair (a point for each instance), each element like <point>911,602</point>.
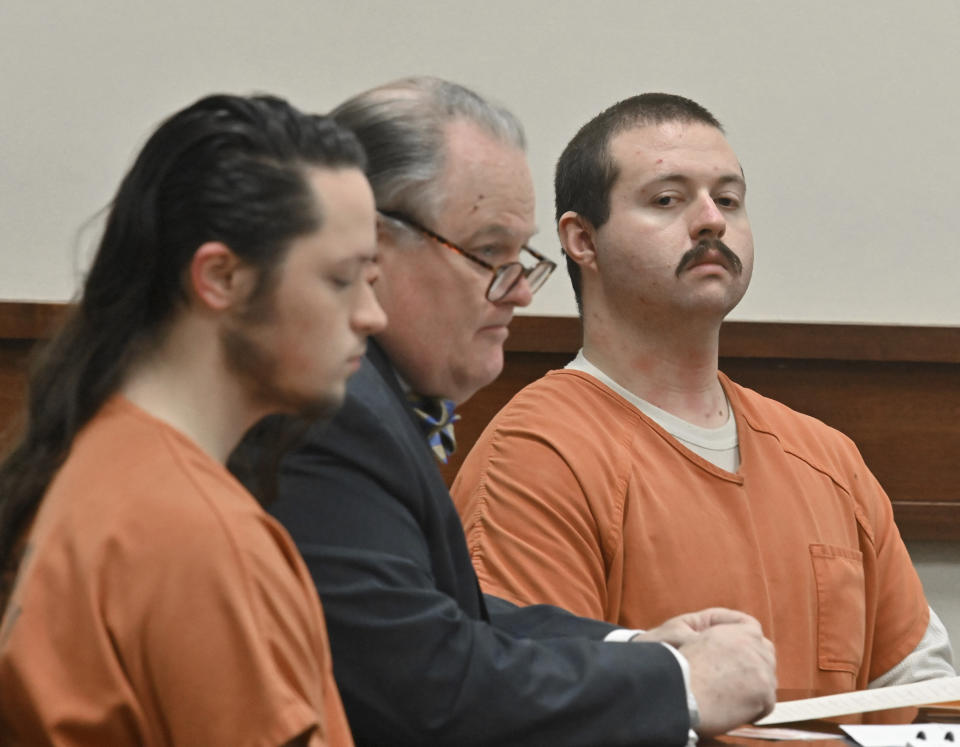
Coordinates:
<point>227,168</point>
<point>586,171</point>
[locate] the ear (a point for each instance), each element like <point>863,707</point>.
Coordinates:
<point>218,277</point>
<point>577,236</point>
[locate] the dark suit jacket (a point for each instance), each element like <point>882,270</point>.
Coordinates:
<point>420,656</point>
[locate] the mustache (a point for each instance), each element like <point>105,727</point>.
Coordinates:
<point>705,245</point>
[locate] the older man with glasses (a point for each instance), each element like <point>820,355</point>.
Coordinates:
<point>420,655</point>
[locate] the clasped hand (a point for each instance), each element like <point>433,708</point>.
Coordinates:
<point>732,665</point>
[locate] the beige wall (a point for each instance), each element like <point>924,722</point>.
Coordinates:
<point>843,112</point>
<point>938,564</point>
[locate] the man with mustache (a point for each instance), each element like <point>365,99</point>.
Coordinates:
<point>640,481</point>
<point>421,657</point>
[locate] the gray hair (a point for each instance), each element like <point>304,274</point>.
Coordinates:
<point>401,126</point>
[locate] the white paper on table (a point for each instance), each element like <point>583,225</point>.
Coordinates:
<point>901,736</point>
<point>897,696</point>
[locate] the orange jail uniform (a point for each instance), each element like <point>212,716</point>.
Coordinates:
<point>574,497</point>
<point>158,604</point>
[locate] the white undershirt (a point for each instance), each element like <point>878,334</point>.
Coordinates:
<point>719,446</point>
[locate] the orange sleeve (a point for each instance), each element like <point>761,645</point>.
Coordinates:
<point>898,602</point>
<point>533,533</point>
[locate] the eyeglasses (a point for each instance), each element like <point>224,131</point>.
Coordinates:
<point>505,276</point>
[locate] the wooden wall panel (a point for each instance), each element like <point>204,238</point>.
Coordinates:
<point>894,390</point>
<point>14,358</point>
<point>29,321</point>
<point>22,326</point>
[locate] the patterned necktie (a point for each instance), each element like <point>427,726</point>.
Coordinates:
<point>436,420</point>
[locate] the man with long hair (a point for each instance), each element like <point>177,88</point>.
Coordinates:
<point>149,598</point>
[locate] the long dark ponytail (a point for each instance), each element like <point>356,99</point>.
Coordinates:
<point>227,168</point>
